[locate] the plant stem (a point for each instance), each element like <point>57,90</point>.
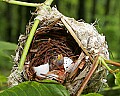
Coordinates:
<point>48,2</point>
<point>77,63</point>
<point>87,78</point>
<point>104,63</point>
<point>75,37</point>
<point>21,3</point>
<point>27,45</point>
<point>112,62</point>
<point>112,88</point>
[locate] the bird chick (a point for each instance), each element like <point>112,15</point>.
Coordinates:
<point>59,61</point>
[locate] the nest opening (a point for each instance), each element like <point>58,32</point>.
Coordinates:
<point>47,44</point>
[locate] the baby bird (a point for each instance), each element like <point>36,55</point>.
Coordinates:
<point>59,61</point>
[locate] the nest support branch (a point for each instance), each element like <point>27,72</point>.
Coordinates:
<point>47,3</point>
<point>75,37</point>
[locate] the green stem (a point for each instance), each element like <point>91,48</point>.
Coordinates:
<point>112,62</point>
<point>30,37</point>
<point>113,88</point>
<point>48,2</point>
<point>27,45</point>
<point>104,63</point>
<point>21,3</point>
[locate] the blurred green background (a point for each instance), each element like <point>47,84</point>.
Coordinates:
<point>14,18</point>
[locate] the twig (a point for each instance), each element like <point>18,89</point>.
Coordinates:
<point>77,63</point>
<point>104,63</point>
<point>30,37</point>
<point>112,62</point>
<point>75,37</point>
<point>112,88</point>
<point>87,78</point>
<point>22,3</point>
<point>48,2</point>
<point>27,45</point>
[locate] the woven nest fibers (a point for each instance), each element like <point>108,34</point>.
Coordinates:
<point>50,46</point>
<point>55,55</point>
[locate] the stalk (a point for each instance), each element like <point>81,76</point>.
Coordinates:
<point>27,45</point>
<point>90,73</point>
<point>22,3</point>
<point>113,88</point>
<point>75,37</point>
<point>109,69</point>
<point>48,2</point>
<point>30,37</point>
<point>104,63</point>
<point>112,62</point>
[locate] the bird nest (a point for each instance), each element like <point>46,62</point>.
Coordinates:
<point>54,53</point>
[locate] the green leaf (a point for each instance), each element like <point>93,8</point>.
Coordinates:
<point>93,94</point>
<point>3,79</point>
<point>32,88</point>
<point>117,78</point>
<point>7,46</point>
<point>6,50</point>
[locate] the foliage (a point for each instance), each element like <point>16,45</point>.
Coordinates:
<point>32,88</point>
<point>117,78</point>
<point>112,91</point>
<point>93,94</point>
<point>3,81</point>
<point>6,49</point>
<point>114,85</point>
<point>7,46</point>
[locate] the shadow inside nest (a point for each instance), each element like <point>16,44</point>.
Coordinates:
<point>48,44</point>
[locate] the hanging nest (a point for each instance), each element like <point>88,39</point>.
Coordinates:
<point>54,54</point>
